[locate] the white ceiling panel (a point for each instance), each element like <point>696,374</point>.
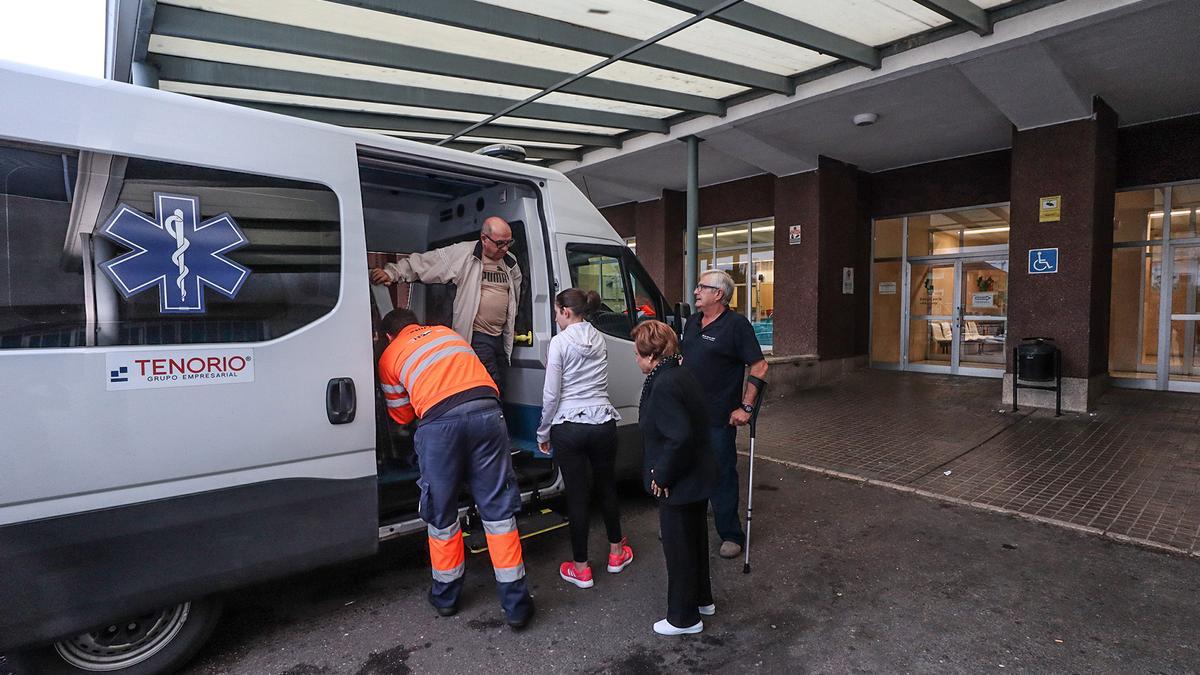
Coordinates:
<point>258,96</point>
<point>335,18</point>
<point>872,22</point>
<point>641,19</point>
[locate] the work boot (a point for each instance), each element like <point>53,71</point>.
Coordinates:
<point>730,549</point>
<point>444,611</point>
<point>519,622</point>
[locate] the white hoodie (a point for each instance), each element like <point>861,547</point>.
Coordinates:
<point>576,388</point>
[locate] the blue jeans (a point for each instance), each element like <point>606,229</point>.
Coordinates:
<point>725,497</point>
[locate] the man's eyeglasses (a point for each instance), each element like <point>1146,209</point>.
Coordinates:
<point>711,288</point>
<point>503,243</point>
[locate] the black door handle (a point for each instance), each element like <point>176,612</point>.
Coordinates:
<point>340,403</point>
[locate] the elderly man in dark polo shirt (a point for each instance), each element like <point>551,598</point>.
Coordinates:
<point>718,346</point>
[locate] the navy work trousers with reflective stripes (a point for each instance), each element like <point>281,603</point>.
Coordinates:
<point>469,443</point>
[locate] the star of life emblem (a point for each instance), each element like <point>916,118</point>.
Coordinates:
<point>175,252</point>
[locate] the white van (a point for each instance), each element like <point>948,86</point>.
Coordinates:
<point>187,354</point>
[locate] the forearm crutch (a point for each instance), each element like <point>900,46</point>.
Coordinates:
<point>761,385</point>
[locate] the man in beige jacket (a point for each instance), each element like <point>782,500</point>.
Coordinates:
<point>489,285</point>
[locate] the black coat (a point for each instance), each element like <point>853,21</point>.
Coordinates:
<point>674,424</point>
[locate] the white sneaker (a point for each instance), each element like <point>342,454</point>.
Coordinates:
<point>708,610</point>
<point>665,627</point>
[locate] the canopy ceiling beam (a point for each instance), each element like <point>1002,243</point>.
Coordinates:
<point>213,73</point>
<point>786,29</point>
<point>193,24</point>
<point>962,12</point>
<point>486,18</point>
<point>401,123</point>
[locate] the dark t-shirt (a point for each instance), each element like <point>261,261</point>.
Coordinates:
<point>718,356</point>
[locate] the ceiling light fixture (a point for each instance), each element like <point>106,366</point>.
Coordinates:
<point>865,119</point>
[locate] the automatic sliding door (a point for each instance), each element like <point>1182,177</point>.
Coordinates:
<point>983,327</point>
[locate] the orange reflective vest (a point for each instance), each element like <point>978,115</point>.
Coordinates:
<point>425,365</point>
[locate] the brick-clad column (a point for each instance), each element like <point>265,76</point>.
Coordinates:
<point>797,202</point>
<point>1076,160</point>
<point>659,232</point>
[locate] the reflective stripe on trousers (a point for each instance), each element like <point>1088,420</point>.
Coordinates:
<point>504,546</point>
<point>446,554</point>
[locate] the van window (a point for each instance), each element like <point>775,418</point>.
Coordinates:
<point>284,275</point>
<point>595,269</point>
<point>41,303</point>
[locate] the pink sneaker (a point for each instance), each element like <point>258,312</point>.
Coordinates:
<point>571,575</point>
<point>616,563</point>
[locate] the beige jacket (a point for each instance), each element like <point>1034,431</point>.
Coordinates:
<point>462,265</point>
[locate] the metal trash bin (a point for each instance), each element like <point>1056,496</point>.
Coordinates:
<point>1035,359</point>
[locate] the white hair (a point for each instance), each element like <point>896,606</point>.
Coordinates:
<point>724,282</point>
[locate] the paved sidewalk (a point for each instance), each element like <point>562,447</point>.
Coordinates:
<point>1130,470</point>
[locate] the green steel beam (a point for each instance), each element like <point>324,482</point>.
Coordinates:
<point>173,68</point>
<point>786,29</point>
<point>366,120</point>
<point>495,20</point>
<point>193,24</point>
<point>962,12</point>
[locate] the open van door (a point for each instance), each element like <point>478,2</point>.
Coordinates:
<point>628,296</point>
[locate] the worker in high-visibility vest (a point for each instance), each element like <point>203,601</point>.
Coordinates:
<point>430,374</point>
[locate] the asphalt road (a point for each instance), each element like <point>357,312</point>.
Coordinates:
<point>846,578</point>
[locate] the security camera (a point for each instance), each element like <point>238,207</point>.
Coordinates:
<point>865,119</point>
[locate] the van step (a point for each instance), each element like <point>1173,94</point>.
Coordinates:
<point>529,524</point>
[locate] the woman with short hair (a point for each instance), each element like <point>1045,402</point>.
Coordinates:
<point>580,424</point>
<point>680,471</point>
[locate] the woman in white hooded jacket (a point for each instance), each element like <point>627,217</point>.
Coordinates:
<point>580,424</point>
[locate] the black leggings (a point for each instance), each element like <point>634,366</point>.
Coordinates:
<point>575,446</point>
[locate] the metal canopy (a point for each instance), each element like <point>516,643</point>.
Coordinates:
<point>561,77</point>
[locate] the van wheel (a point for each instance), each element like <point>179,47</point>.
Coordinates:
<point>155,642</point>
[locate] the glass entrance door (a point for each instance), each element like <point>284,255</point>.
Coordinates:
<point>933,323</point>
<point>1185,314</point>
<point>957,316</point>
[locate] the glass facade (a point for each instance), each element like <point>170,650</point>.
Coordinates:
<point>939,291</point>
<point>746,251</point>
<point>1155,300</point>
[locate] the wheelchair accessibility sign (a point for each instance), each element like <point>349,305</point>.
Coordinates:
<point>1043,261</point>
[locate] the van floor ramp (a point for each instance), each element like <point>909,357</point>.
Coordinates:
<point>529,523</point>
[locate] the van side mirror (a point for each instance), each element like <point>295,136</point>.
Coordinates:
<point>682,312</point>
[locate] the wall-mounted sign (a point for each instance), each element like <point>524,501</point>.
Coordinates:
<point>794,234</point>
<point>1043,261</point>
<point>887,288</point>
<point>983,299</point>
<point>847,280</point>
<point>1050,209</point>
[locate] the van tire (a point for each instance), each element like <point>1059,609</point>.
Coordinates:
<point>180,632</point>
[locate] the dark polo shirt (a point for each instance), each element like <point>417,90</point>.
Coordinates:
<point>718,355</point>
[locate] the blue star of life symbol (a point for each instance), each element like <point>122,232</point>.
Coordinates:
<point>176,253</point>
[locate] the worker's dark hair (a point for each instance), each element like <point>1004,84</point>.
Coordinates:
<point>581,303</point>
<point>397,320</point>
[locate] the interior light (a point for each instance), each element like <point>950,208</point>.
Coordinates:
<point>986,230</point>
<point>1174,214</point>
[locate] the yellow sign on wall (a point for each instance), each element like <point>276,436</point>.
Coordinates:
<point>1050,209</point>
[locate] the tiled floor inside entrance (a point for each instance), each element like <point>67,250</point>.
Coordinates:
<point>1130,469</point>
